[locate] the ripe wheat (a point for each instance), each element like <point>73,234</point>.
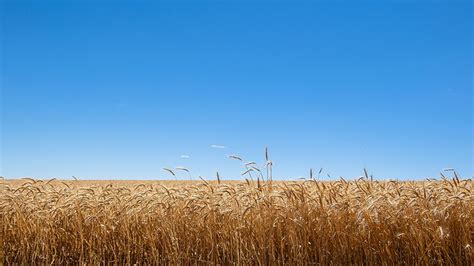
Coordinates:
<point>343,222</point>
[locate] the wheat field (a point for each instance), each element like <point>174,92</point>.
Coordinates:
<point>242,222</point>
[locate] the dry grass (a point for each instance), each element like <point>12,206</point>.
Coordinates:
<point>343,222</point>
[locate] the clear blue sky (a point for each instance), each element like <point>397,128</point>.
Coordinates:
<point>122,90</point>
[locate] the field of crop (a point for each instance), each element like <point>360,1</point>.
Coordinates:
<point>203,222</point>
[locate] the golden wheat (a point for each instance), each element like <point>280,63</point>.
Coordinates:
<point>171,222</point>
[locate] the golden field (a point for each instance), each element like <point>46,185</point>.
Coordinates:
<point>201,222</point>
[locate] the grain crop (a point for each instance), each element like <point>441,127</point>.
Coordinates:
<point>240,222</point>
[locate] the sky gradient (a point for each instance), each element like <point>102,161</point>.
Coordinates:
<point>122,90</point>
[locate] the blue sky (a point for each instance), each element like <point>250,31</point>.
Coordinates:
<point>122,90</point>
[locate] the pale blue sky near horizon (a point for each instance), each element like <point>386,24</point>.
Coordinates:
<point>120,90</point>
